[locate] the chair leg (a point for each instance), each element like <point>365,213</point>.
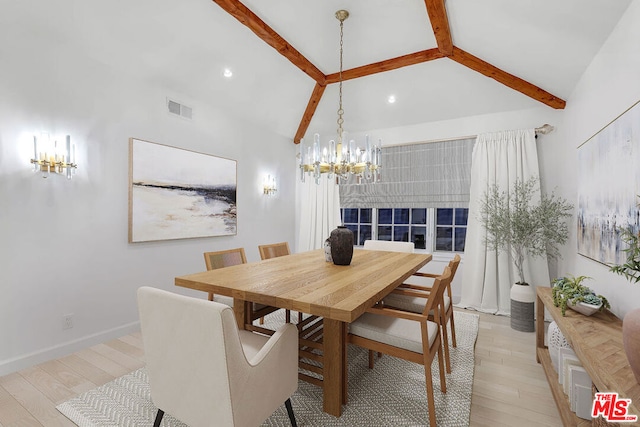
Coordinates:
<point>287,316</point>
<point>443,379</point>
<point>210,296</point>
<point>445,344</point>
<point>453,331</point>
<point>292,417</point>
<point>431,403</point>
<point>371,359</point>
<point>158,420</point>
<point>262,320</point>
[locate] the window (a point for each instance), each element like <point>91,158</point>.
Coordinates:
<point>434,229</point>
<point>451,229</point>
<point>358,220</point>
<point>423,196</point>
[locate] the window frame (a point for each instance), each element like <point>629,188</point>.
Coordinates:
<point>430,225</point>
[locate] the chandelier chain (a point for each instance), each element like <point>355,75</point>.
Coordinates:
<point>340,120</point>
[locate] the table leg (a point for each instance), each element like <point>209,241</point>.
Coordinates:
<point>334,366</point>
<point>239,309</point>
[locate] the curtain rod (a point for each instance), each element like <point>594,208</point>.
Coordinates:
<point>542,130</point>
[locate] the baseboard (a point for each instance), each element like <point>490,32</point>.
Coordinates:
<point>27,360</point>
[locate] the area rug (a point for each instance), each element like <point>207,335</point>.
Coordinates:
<point>391,394</point>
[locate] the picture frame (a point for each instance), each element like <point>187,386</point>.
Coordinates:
<point>608,188</point>
<point>179,194</point>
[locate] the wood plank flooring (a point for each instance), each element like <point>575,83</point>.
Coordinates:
<point>509,387</point>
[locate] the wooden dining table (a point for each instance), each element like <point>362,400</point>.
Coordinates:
<point>306,283</point>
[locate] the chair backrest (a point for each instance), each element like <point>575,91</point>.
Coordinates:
<point>274,250</point>
<point>187,344</point>
<point>385,245</point>
<point>453,264</point>
<point>435,298</point>
<point>220,259</point>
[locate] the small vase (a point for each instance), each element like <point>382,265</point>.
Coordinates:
<point>631,340</point>
<point>341,240</point>
<point>327,250</point>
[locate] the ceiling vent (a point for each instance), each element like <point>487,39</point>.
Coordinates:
<point>179,109</point>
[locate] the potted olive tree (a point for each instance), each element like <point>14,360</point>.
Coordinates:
<point>519,224</point>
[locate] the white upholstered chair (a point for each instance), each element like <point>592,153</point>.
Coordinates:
<point>204,371</point>
<point>385,245</point>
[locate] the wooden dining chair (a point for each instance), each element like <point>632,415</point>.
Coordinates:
<point>221,259</point>
<point>274,250</point>
<point>407,335</point>
<point>310,328</point>
<point>416,304</point>
<point>228,258</point>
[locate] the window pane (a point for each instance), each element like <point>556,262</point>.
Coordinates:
<point>418,216</point>
<point>401,234</point>
<point>384,232</point>
<point>365,234</point>
<point>418,237</point>
<point>384,216</point>
<point>444,217</point>
<point>461,234</point>
<point>365,216</point>
<point>444,237</point>
<point>401,216</point>
<point>350,216</point>
<point>461,216</point>
<point>354,228</point>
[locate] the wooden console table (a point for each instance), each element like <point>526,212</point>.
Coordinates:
<point>597,341</point>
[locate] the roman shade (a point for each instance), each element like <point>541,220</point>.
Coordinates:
<point>430,174</point>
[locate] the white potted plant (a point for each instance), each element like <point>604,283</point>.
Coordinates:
<point>518,224</point>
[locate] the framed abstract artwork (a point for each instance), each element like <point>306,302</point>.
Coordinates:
<point>179,194</point>
<point>608,188</point>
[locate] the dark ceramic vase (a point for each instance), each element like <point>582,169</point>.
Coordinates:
<point>341,245</point>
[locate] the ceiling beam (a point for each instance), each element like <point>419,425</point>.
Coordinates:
<point>269,36</point>
<point>386,65</point>
<point>516,83</point>
<point>440,25</point>
<point>308,113</point>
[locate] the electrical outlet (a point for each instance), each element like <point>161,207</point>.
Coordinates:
<point>67,321</point>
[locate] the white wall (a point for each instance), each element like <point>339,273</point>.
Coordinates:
<point>608,87</point>
<point>64,243</point>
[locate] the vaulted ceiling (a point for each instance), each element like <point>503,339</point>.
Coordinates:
<point>536,49</point>
<point>534,52</point>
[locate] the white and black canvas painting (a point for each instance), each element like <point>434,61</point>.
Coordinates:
<point>179,194</point>
<point>608,189</point>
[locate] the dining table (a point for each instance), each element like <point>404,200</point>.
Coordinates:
<point>305,282</point>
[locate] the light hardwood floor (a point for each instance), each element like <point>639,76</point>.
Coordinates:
<point>509,387</point>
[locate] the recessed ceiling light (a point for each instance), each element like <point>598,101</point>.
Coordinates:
<point>391,99</point>
<point>227,73</point>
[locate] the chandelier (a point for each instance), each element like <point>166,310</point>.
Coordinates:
<point>339,157</point>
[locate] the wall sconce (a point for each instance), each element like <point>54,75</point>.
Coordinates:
<point>49,157</point>
<point>269,185</point>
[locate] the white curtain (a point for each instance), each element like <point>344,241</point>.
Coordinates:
<point>498,158</point>
<point>319,212</point>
